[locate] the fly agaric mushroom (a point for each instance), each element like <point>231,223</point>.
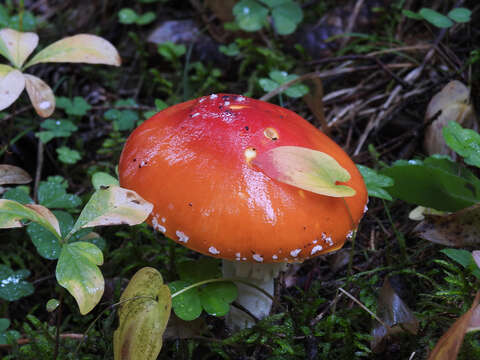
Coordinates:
<point>237,178</point>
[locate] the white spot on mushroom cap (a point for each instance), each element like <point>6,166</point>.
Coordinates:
<point>226,103</point>
<point>163,219</point>
<point>240,98</point>
<point>213,250</point>
<point>295,252</point>
<point>201,100</point>
<point>250,154</point>
<point>157,226</point>
<point>274,257</point>
<point>182,237</point>
<point>316,248</point>
<point>327,239</point>
<point>257,257</point>
<point>196,114</point>
<point>213,96</point>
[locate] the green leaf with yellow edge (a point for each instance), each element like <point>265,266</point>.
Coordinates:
<point>143,316</point>
<point>12,212</point>
<point>306,169</point>
<point>17,46</point>
<point>113,205</point>
<point>82,48</point>
<point>12,84</point>
<point>77,271</point>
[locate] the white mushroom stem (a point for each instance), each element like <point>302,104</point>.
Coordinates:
<point>257,303</point>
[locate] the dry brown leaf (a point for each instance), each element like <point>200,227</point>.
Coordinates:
<point>452,104</point>
<point>395,314</point>
<point>12,84</point>
<point>82,48</point>
<point>40,94</point>
<point>10,174</point>
<point>458,229</point>
<point>476,257</point>
<point>474,324</point>
<point>449,344</point>
<point>17,46</point>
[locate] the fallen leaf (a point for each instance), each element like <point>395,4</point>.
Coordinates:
<point>82,48</point>
<point>10,174</point>
<point>143,316</point>
<point>40,94</point>
<point>306,169</point>
<point>395,314</point>
<point>458,229</point>
<point>17,46</point>
<point>12,84</point>
<point>448,346</point>
<point>452,104</point>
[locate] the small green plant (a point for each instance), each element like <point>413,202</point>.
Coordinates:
<point>129,16</point>
<point>252,15</point>
<point>61,239</point>
<point>278,78</point>
<point>457,15</point>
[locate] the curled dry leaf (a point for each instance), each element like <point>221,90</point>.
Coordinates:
<point>395,314</point>
<point>418,213</point>
<point>40,94</point>
<point>452,102</point>
<point>82,48</point>
<point>10,174</point>
<point>306,169</point>
<point>17,46</point>
<point>12,84</point>
<point>457,229</point>
<point>476,257</point>
<point>449,344</point>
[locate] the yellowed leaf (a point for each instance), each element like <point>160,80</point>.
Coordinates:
<point>10,174</point>
<point>40,94</point>
<point>17,46</point>
<point>450,104</point>
<point>47,215</point>
<point>306,169</point>
<point>12,84</point>
<point>113,205</point>
<point>143,315</point>
<point>449,344</point>
<point>82,48</point>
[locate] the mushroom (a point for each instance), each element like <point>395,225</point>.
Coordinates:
<point>208,167</point>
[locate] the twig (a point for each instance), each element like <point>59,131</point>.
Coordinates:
<point>326,74</point>
<point>351,22</point>
<point>363,307</point>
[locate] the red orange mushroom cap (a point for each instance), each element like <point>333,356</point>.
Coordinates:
<point>195,162</point>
